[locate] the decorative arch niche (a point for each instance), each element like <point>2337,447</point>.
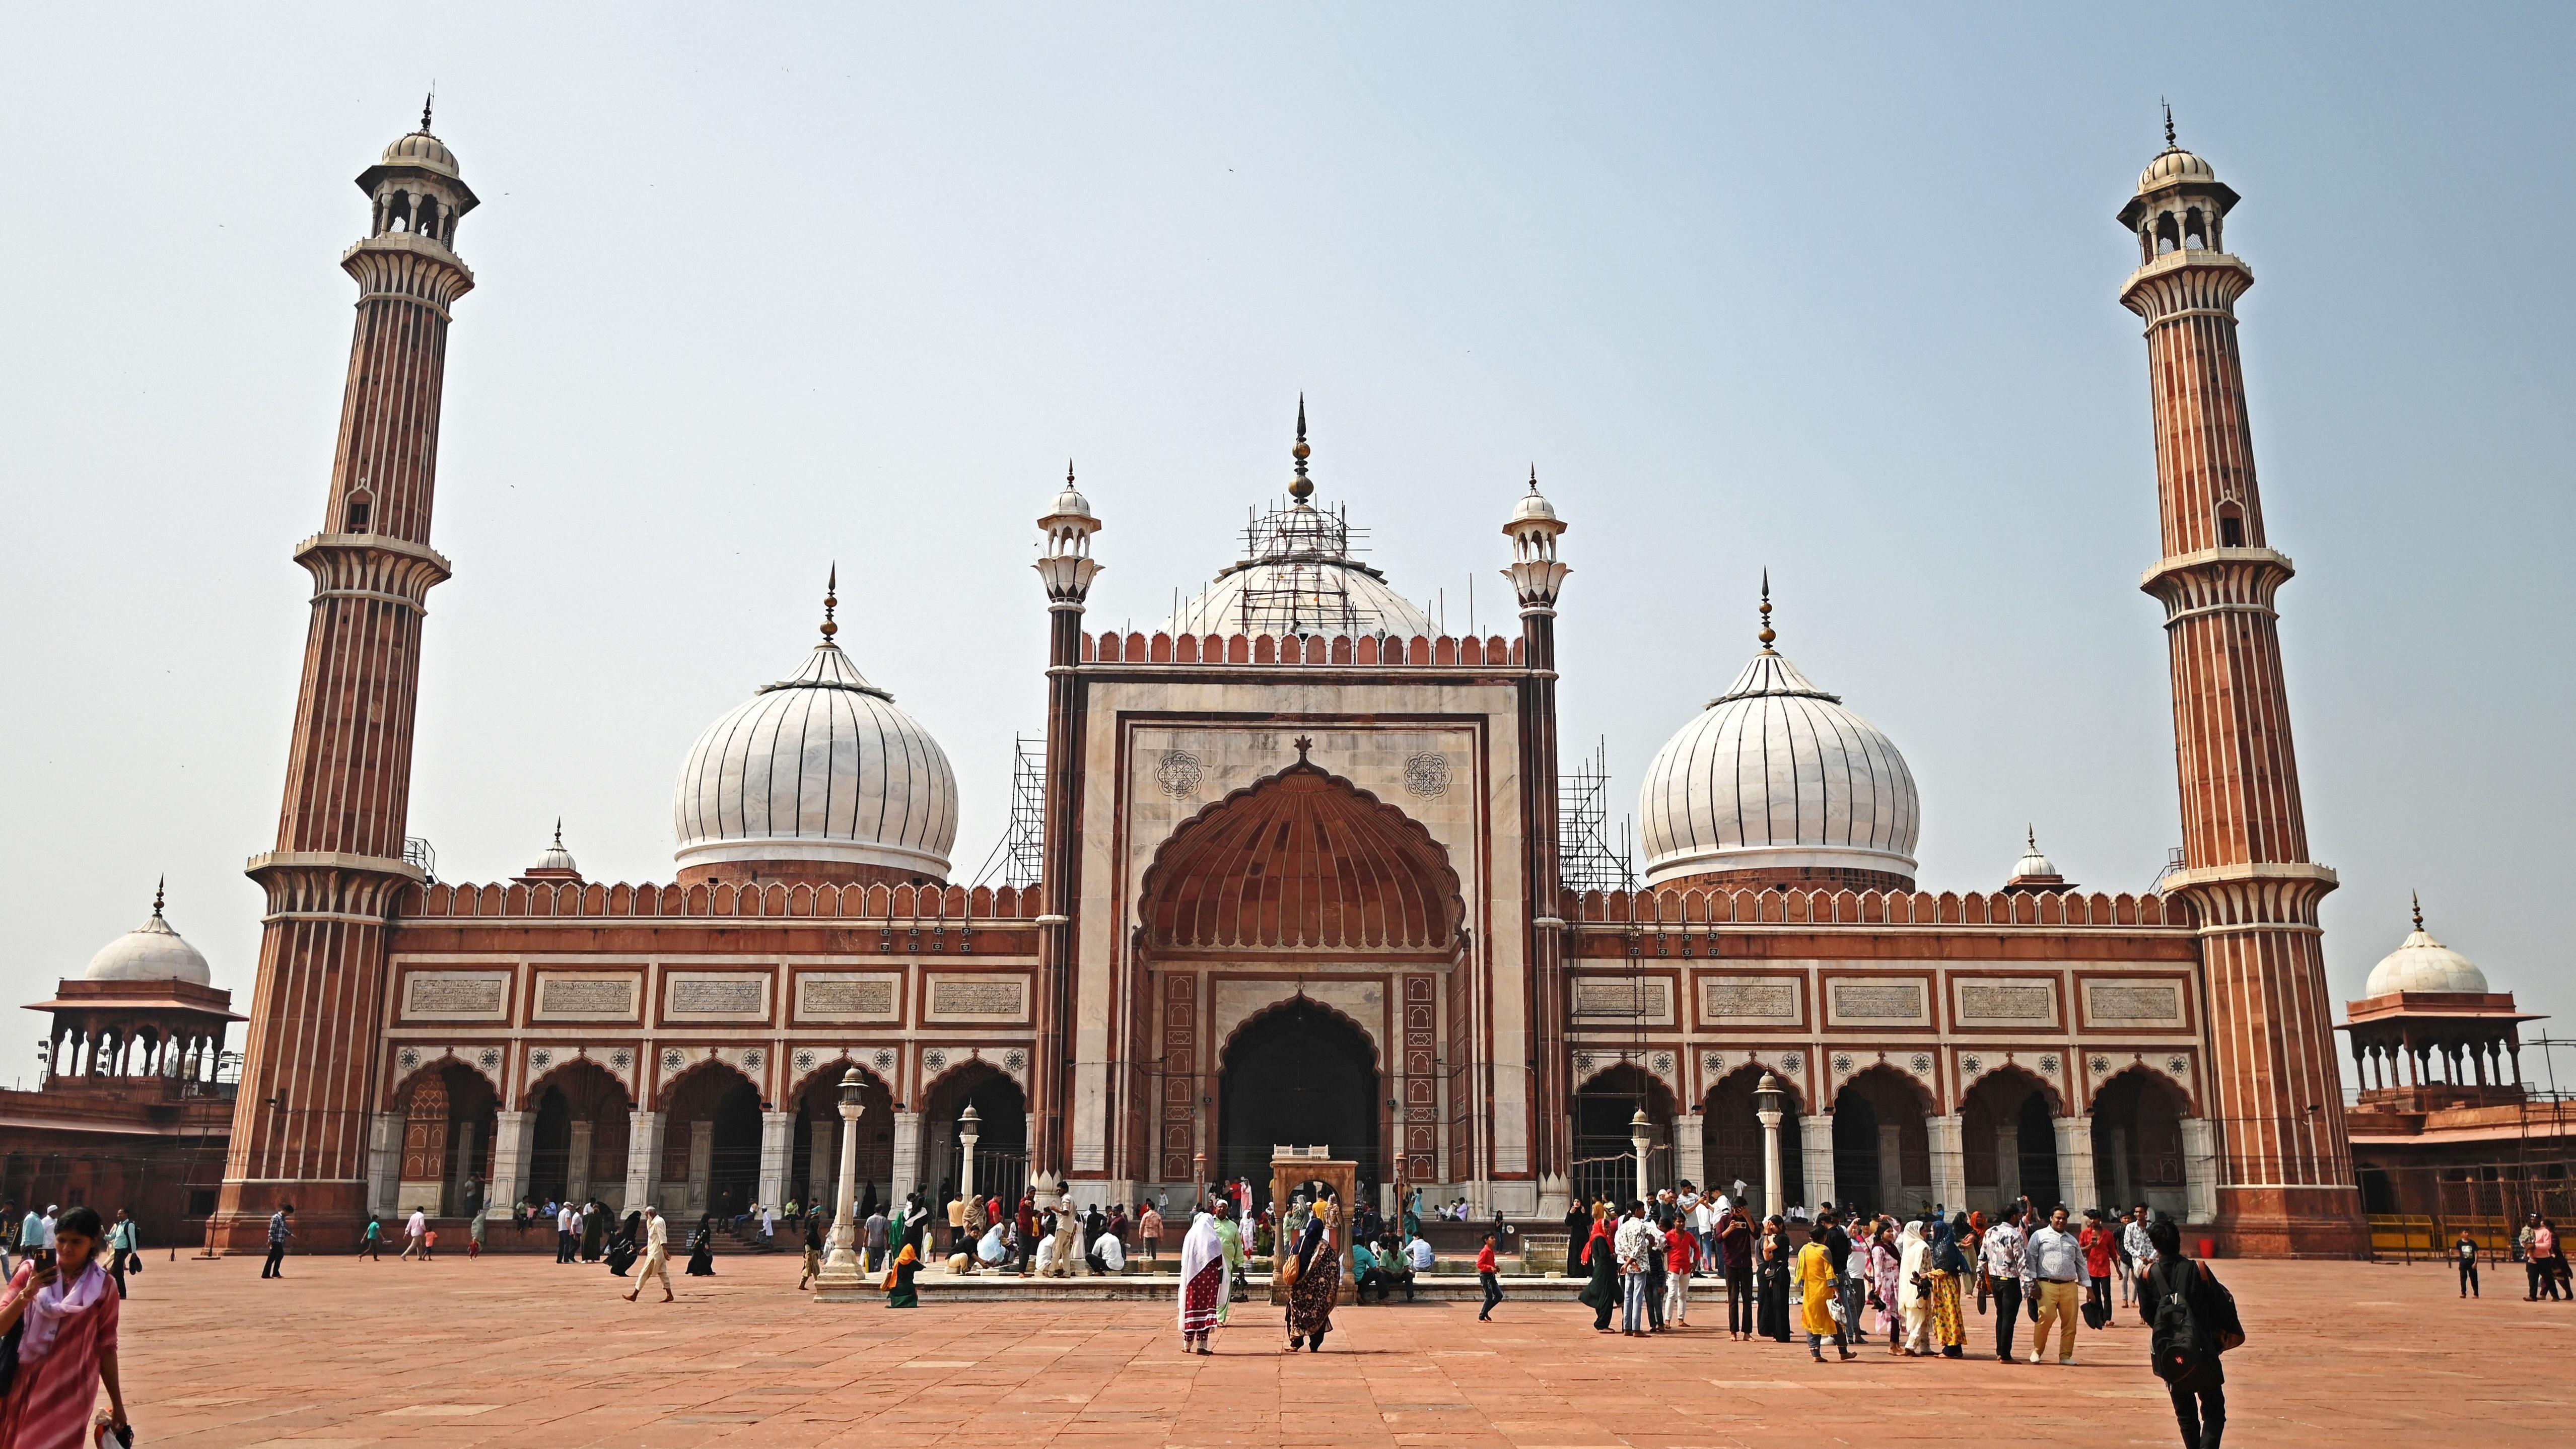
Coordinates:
<point>1301,860</point>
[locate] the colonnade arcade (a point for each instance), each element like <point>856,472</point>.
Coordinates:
<point>1886,1147</point>
<point>122,1045</point>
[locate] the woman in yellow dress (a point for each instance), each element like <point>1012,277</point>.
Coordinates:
<point>1815,1285</point>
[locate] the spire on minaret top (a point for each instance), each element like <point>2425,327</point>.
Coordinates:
<point>1766,636</point>
<point>831,601</point>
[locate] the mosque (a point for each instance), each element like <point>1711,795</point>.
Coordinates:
<point>1300,877</point>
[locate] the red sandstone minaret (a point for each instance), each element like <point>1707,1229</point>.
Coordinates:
<point>2285,1176</point>
<point>1067,569</point>
<point>309,1070</point>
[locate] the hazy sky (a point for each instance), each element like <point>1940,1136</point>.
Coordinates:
<point>1831,291</point>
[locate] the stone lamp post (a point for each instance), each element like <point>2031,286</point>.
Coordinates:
<point>1642,1133</point>
<point>970,1129</point>
<point>841,1265</point>
<point>1768,1104</point>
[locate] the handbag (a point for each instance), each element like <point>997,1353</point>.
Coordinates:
<point>1288,1271</point>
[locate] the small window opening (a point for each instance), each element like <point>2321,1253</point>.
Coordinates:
<point>2194,233</point>
<point>2168,238</point>
<point>360,506</point>
<point>2231,526</point>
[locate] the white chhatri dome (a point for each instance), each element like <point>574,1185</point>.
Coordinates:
<point>2421,963</point>
<point>822,767</point>
<point>1776,774</point>
<point>2033,864</point>
<point>150,952</point>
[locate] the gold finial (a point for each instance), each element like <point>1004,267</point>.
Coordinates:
<point>2169,130</point>
<point>1068,472</point>
<point>1766,636</point>
<point>831,601</point>
<point>426,103</point>
<point>162,885</point>
<point>2419,909</point>
<point>1301,487</point>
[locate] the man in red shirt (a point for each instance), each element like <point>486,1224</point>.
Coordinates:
<point>1681,1254</point>
<point>1489,1273</point>
<point>2100,1240</point>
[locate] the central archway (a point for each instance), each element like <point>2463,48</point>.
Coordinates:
<point>1299,1074</point>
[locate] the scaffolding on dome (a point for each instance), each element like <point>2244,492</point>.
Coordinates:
<point>1296,562</point>
<point>1019,857</point>
<point>1586,860</point>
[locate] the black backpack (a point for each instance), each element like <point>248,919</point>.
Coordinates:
<point>2181,1341</point>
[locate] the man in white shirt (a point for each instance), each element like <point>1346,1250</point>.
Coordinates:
<point>657,1255</point>
<point>768,1222</point>
<point>415,1233</point>
<point>2140,1251</point>
<point>1636,1243</point>
<point>1418,1253</point>
<point>566,1221</point>
<point>2052,1267</point>
<point>1110,1254</point>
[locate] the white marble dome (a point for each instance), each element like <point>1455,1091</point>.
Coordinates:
<point>2172,167</point>
<point>2421,963</point>
<point>150,952</point>
<point>1777,774</point>
<point>423,150</point>
<point>820,766</point>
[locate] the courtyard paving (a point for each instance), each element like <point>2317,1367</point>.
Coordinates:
<point>519,1350</point>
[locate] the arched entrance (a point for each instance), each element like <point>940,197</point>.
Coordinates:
<point>814,1155</point>
<point>2137,1143</point>
<point>1732,1148</point>
<point>710,1143</point>
<point>448,1113</point>
<point>580,1139</point>
<point>1300,1074</point>
<point>1882,1149</point>
<point>2008,1140</point>
<point>1300,875</point>
<point>1002,1140</point>
<point>1605,1150</point>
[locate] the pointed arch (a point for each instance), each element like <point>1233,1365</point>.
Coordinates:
<point>1301,858</point>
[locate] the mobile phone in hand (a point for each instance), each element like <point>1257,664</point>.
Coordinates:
<point>44,1258</point>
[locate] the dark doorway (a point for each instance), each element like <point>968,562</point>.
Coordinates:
<point>2008,1141</point>
<point>1882,1147</point>
<point>711,1144</point>
<point>814,1156</point>
<point>1731,1142</point>
<point>1605,1149</point>
<point>2137,1144</point>
<point>580,1148</point>
<point>1002,1133</point>
<point>1297,1075</point>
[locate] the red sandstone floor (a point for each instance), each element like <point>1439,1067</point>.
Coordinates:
<point>518,1350</point>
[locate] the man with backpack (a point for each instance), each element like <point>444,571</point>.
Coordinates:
<point>2193,1318</point>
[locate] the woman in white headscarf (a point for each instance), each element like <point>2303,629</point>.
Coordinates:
<point>1914,1288</point>
<point>1203,1284</point>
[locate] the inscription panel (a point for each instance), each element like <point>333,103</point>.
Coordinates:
<point>1750,1001</point>
<point>2007,1003</point>
<point>978,998</point>
<point>1876,1003</point>
<point>2133,1003</point>
<point>846,996</point>
<point>715,996</point>
<point>586,998</point>
<point>456,996</point>
<point>1633,1000</point>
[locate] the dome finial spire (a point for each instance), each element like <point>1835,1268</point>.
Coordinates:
<point>427,103</point>
<point>831,601</point>
<point>161,886</point>
<point>1301,487</point>
<point>1766,636</point>
<point>2030,837</point>
<point>2169,128</point>
<point>2419,908</point>
<point>558,832</point>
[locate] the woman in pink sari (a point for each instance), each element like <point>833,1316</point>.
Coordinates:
<point>68,1344</point>
<point>1203,1284</point>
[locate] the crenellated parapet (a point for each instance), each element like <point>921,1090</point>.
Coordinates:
<point>1368,650</point>
<point>948,905</point>
<point>1694,907</point>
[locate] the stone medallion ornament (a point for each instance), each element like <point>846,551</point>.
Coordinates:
<point>935,1059</point>
<point>2048,1062</point>
<point>804,1061</point>
<point>621,1059</point>
<point>1794,1061</point>
<point>1426,775</point>
<point>2177,1065</point>
<point>884,1059</point>
<point>672,1060</point>
<point>752,1059</point>
<point>1971,1065</point>
<point>1014,1059</point>
<point>1177,774</point>
<point>541,1059</point>
<point>1921,1063</point>
<point>410,1058</point>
